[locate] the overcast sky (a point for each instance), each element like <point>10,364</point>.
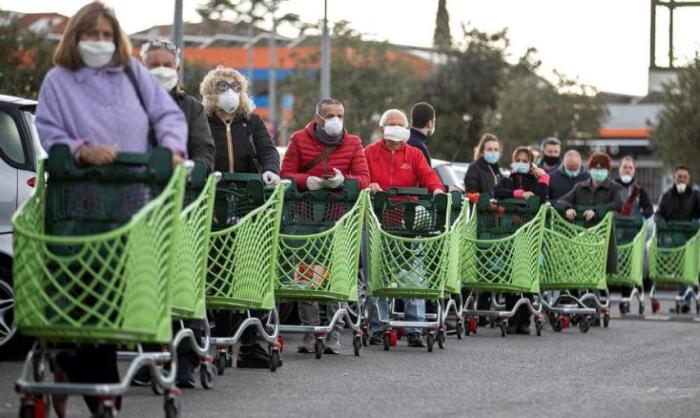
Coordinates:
<point>604,43</point>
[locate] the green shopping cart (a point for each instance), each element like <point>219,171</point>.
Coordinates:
<point>412,255</point>
<point>242,255</point>
<point>674,259</point>
<point>575,255</point>
<point>94,255</point>
<point>319,255</point>
<point>501,246</point>
<point>631,235</point>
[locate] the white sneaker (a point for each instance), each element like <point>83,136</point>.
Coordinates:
<point>332,343</point>
<point>307,345</point>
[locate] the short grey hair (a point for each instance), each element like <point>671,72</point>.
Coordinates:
<point>627,158</point>
<point>149,46</point>
<point>551,141</point>
<point>325,102</point>
<point>385,116</point>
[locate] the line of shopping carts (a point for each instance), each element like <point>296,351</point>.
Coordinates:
<point>129,255</point>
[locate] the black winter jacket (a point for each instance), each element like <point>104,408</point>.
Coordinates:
<point>241,130</point>
<point>526,182</point>
<point>481,177</point>
<point>680,207</point>
<point>200,144</point>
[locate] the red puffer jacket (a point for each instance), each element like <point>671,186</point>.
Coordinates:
<point>405,167</point>
<point>304,147</point>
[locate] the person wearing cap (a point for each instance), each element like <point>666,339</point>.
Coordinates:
<point>393,163</point>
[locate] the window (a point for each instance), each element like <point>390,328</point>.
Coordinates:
<point>10,140</point>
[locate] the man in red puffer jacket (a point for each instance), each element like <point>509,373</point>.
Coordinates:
<point>322,156</point>
<point>393,163</point>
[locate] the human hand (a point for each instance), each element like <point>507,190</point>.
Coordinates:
<point>314,183</point>
<point>177,159</point>
<point>437,192</point>
<point>374,188</point>
<point>97,155</point>
<point>588,215</point>
<point>271,179</point>
<point>526,195</point>
<point>570,214</point>
<point>335,181</point>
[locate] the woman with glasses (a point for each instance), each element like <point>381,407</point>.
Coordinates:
<point>243,144</point>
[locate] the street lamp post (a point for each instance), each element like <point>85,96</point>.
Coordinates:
<point>325,55</point>
<point>178,36</point>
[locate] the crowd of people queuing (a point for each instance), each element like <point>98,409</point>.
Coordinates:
<point>100,100</point>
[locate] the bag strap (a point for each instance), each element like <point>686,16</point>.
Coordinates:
<point>627,208</point>
<point>325,153</point>
<point>254,155</point>
<point>132,78</point>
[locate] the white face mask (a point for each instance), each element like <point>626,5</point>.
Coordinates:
<point>680,187</point>
<point>396,133</point>
<point>229,101</point>
<point>626,178</point>
<point>333,126</point>
<point>96,54</point>
<point>167,76</point>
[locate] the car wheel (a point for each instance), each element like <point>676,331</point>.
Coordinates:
<point>11,343</point>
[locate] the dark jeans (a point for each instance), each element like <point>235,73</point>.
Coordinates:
<point>226,322</point>
<point>91,364</point>
<point>522,315</point>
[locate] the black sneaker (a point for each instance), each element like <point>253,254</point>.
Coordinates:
<point>254,357</point>
<point>376,339</point>
<point>185,379</point>
<point>142,377</point>
<point>685,308</point>
<point>415,340</point>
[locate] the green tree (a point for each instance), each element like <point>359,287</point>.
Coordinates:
<point>677,132</point>
<point>366,76</point>
<point>531,108</point>
<point>26,58</point>
<point>463,90</point>
<point>442,39</point>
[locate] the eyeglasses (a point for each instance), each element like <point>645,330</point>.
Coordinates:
<point>222,86</point>
<point>162,44</point>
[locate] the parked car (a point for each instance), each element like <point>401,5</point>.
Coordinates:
<point>449,173</point>
<point>20,150</point>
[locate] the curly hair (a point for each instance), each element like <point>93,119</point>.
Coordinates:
<point>599,159</point>
<point>209,93</point>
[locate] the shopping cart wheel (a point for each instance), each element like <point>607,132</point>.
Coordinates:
<point>606,320</point>
<point>472,325</point>
<point>492,322</point>
<point>431,342</point>
<point>318,348</point>
<point>441,339</point>
<point>557,324</point>
<point>678,308</point>
<point>504,328</point>
<point>655,305</point>
<point>33,407</point>
<point>697,308</point>
<point>220,362</point>
<point>387,341</point>
<point>460,328</point>
<point>171,407</point>
<point>207,375</point>
<point>641,309</point>
<point>584,324</point>
<point>357,345</point>
<point>274,360</point>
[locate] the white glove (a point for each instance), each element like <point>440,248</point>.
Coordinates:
<point>335,181</point>
<point>270,178</point>
<point>314,183</point>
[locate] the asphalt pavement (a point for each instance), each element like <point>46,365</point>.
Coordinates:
<point>634,368</point>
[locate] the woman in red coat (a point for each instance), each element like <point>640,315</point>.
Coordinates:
<point>393,163</point>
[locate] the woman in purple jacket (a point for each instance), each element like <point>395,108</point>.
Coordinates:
<point>100,101</point>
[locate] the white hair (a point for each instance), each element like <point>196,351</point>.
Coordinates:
<point>385,116</point>
<point>147,47</point>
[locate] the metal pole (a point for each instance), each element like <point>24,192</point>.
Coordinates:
<point>272,72</point>
<point>671,6</point>
<point>325,55</point>
<point>249,55</point>
<point>652,36</point>
<point>178,36</point>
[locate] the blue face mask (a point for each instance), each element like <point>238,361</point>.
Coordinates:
<point>599,175</point>
<point>492,157</point>
<point>572,174</point>
<point>522,168</point>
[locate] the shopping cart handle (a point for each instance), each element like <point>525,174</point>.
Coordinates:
<point>408,191</point>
